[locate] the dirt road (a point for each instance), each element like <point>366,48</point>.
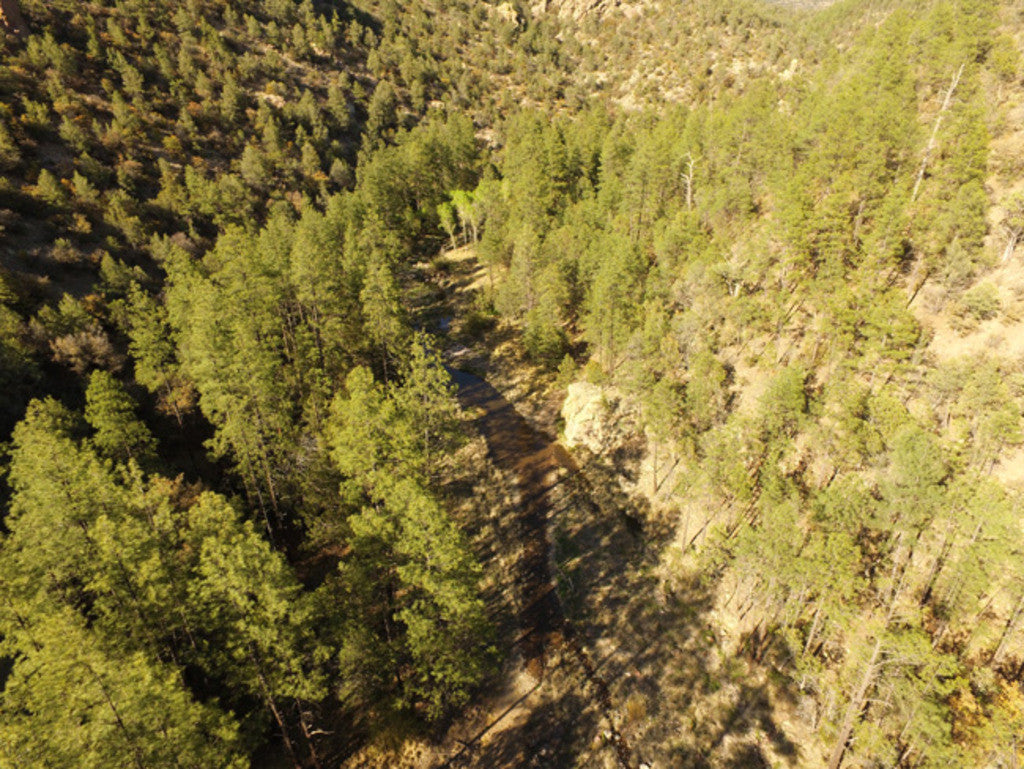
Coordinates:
<point>516,447</point>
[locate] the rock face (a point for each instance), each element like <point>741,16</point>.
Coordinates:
<point>507,12</point>
<point>596,418</point>
<point>602,422</point>
<point>580,9</point>
<point>574,9</point>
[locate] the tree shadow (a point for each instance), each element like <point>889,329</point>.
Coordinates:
<point>672,693</point>
<point>747,757</point>
<point>657,650</point>
<point>553,735</point>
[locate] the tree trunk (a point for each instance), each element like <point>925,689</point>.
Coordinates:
<point>1011,245</point>
<point>688,178</point>
<point>117,716</point>
<point>654,469</point>
<point>1008,630</point>
<point>855,707</point>
<point>813,632</point>
<point>928,150</point>
<point>860,697</point>
<point>308,735</point>
<point>936,570</point>
<point>268,698</point>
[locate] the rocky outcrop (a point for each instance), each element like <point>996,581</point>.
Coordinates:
<point>575,9</point>
<point>506,12</point>
<point>578,10</point>
<point>604,425</point>
<point>597,418</point>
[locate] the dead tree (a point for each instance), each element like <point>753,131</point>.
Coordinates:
<point>933,139</point>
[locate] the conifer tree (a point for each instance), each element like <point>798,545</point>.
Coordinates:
<point>110,410</point>
<point>70,701</point>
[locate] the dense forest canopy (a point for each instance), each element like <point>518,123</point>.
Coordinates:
<point>775,250</point>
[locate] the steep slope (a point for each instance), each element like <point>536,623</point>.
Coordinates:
<point>774,252</point>
<point>771,285</point>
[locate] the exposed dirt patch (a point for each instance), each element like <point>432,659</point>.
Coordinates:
<point>516,447</point>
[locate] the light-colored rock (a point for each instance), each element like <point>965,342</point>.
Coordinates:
<point>507,12</point>
<point>574,9</point>
<point>603,420</point>
<point>593,416</point>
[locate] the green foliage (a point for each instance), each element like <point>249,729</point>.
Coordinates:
<point>153,351</point>
<point>49,190</point>
<point>137,579</point>
<point>241,194</point>
<point>382,116</point>
<point>74,701</point>
<point>19,373</point>
<point>1005,58</point>
<point>982,301</point>
<point>706,396</point>
<point>785,401</point>
<point>377,433</point>
<point>385,442</point>
<point>110,411</point>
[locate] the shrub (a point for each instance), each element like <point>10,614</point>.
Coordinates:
<point>981,302</point>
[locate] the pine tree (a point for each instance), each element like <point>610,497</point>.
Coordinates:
<point>70,702</point>
<point>404,546</point>
<point>110,410</point>
<point>152,348</point>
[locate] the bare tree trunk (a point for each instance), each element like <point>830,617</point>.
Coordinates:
<point>1008,630</point>
<point>654,470</point>
<point>1011,245</point>
<point>813,632</point>
<point>928,150</point>
<point>855,707</point>
<point>308,735</point>
<point>860,697</point>
<point>688,178</point>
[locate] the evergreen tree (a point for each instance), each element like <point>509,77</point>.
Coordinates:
<point>70,701</point>
<point>110,410</point>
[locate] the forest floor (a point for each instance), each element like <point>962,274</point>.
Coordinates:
<point>604,667</point>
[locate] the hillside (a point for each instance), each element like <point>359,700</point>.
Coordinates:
<point>567,383</point>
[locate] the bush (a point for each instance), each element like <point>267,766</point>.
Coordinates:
<point>49,190</point>
<point>594,374</point>
<point>478,323</point>
<point>567,371</point>
<point>981,302</point>
<point>545,343</point>
<point>64,252</point>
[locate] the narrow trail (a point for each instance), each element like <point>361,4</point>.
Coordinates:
<point>516,447</point>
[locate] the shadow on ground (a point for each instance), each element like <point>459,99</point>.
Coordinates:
<point>579,581</point>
